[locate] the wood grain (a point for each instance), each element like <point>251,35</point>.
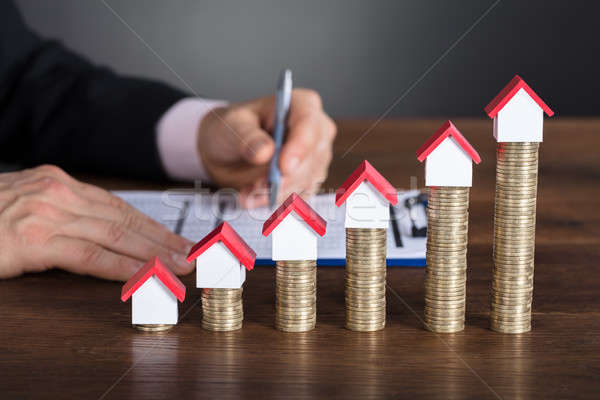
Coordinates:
<point>67,336</point>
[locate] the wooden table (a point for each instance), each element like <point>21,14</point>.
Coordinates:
<point>66,336</point>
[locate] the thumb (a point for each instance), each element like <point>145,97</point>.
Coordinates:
<point>257,146</point>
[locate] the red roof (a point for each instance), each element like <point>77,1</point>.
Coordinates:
<point>508,92</point>
<point>152,268</point>
<point>365,171</point>
<point>446,130</point>
<point>295,203</point>
<point>230,238</point>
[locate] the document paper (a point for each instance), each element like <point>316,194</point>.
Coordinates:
<point>195,215</point>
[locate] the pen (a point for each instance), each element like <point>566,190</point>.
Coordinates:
<point>282,106</point>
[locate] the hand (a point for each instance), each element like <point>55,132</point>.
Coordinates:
<point>236,147</point>
<point>48,219</point>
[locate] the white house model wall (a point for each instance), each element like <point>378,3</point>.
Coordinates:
<point>520,120</point>
<point>293,239</point>
<point>153,303</point>
<point>367,208</point>
<point>217,267</point>
<point>448,165</point>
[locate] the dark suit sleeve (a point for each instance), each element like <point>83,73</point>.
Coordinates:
<point>56,107</point>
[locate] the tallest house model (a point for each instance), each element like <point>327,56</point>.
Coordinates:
<point>518,115</point>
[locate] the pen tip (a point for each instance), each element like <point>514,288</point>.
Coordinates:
<point>285,79</point>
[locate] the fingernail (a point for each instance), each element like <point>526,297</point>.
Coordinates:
<point>254,147</point>
<point>292,163</point>
<point>180,260</point>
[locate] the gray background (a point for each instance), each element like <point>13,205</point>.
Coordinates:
<point>362,56</point>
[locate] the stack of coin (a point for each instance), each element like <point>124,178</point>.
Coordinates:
<point>514,237</point>
<point>296,295</point>
<point>153,327</point>
<point>365,278</point>
<point>222,309</point>
<point>446,273</point>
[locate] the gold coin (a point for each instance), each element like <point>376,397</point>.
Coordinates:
<point>221,325</point>
<point>445,216</point>
<point>364,296</point>
<point>510,319</point>
<point>513,272</point>
<point>299,300</point>
<point>366,307</point>
<point>445,280</point>
<point>221,298</point>
<point>432,282</point>
<point>365,327</point>
<point>366,317</point>
<point>296,318</point>
<point>446,305</point>
<point>359,284</point>
<point>444,239</point>
<point>353,269</point>
<point>452,328</point>
<point>511,300</point>
<point>516,309</point>
<point>223,321</point>
<point>522,329</point>
<point>520,188</point>
<point>430,320</point>
<point>513,254</point>
<point>458,207</point>
<point>298,324</point>
<point>436,312</point>
<point>296,329</point>
<point>296,274</point>
<point>524,279</point>
<point>223,310</point>
<point>445,302</point>
<point>365,263</point>
<point>365,276</point>
<point>503,203</point>
<point>514,279</point>
<point>446,258</point>
<point>375,258</point>
<point>504,269</point>
<point>153,327</point>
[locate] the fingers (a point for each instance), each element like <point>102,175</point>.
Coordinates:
<point>308,128</point>
<point>254,196</point>
<point>98,202</point>
<point>117,238</point>
<point>85,257</point>
<point>135,221</point>
<point>307,153</point>
<point>45,202</point>
<point>255,144</point>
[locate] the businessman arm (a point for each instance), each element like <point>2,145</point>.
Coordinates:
<point>56,107</point>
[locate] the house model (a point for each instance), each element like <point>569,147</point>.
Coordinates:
<point>518,113</point>
<point>154,290</point>
<point>222,259</point>
<point>367,195</point>
<point>294,226</point>
<point>448,158</point>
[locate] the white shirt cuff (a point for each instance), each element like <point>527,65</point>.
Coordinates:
<point>176,135</point>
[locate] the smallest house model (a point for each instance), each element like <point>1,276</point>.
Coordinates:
<point>155,291</point>
<point>367,195</point>
<point>222,259</point>
<point>448,158</point>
